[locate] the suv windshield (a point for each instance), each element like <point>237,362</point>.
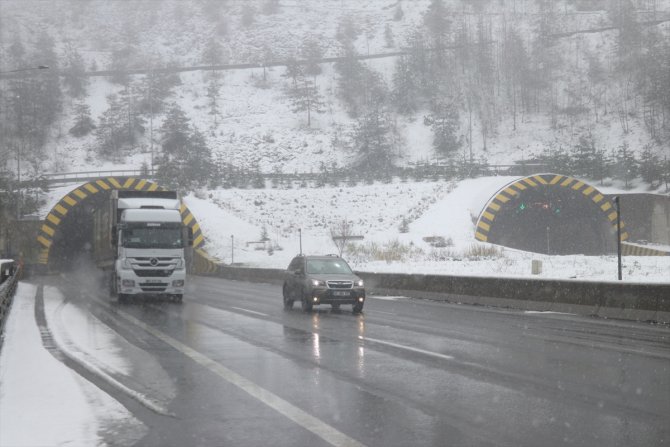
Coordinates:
<point>328,267</point>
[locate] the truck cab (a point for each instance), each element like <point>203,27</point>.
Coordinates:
<point>150,241</point>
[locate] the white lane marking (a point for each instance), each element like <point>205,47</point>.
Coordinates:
<point>409,348</point>
<point>546,312</point>
<point>387,298</point>
<point>300,417</point>
<point>250,311</point>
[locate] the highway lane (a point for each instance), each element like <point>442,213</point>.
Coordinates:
<point>405,372</point>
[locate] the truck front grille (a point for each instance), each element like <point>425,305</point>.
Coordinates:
<point>153,286</point>
<point>152,272</point>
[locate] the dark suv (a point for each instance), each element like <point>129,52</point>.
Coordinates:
<point>315,280</point>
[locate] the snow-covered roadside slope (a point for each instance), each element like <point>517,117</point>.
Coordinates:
<point>447,210</point>
<point>34,386</point>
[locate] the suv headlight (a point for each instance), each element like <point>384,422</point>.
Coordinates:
<point>318,283</point>
<point>358,283</point>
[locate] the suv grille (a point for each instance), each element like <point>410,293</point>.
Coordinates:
<point>340,284</point>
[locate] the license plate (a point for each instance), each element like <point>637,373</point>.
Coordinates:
<point>152,281</point>
<point>339,293</point>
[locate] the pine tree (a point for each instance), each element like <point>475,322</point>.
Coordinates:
<point>306,97</point>
<point>650,167</point>
<point>625,165</point>
<point>213,87</point>
<point>583,157</point>
<point>175,131</point>
<point>311,51</point>
<point>444,121</point>
<point>186,160</point>
<point>74,78</point>
<point>405,89</point>
<point>83,124</point>
<point>110,132</point>
<point>372,141</point>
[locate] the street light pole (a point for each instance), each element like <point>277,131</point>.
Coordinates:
<point>232,249</point>
<point>300,236</point>
<point>151,118</point>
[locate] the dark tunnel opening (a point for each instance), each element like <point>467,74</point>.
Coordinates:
<point>553,220</point>
<point>73,241</point>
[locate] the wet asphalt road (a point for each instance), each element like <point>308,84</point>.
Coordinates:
<point>404,373</point>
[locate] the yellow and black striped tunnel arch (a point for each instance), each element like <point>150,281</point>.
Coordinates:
<point>597,199</point>
<point>81,193</point>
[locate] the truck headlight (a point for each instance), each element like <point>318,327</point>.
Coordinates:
<point>126,264</point>
<point>127,283</point>
<point>179,264</point>
<point>318,283</point>
<point>178,283</point>
<point>359,283</point>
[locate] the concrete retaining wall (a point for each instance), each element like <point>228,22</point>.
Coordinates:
<point>631,301</point>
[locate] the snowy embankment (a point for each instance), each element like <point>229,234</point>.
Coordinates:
<point>432,210</point>
<point>42,401</point>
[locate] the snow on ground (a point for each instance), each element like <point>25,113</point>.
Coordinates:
<point>34,386</point>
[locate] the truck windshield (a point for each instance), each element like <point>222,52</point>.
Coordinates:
<point>152,237</point>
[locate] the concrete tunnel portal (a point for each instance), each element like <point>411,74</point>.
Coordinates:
<point>66,236</point>
<point>550,214</point>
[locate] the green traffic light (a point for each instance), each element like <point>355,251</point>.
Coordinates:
<point>522,206</point>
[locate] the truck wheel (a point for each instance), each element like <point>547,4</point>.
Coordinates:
<point>357,308</point>
<point>122,298</point>
<point>288,300</point>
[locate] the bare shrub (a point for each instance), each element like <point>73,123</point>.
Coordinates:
<point>480,251</point>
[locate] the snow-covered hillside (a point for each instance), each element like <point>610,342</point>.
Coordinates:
<point>256,125</point>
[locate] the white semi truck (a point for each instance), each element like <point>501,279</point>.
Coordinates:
<point>140,243</point>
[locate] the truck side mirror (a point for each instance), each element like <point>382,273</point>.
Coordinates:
<point>115,235</point>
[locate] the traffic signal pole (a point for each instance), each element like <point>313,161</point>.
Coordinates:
<point>618,234</point>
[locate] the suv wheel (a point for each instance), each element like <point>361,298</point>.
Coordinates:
<point>357,308</point>
<point>288,299</point>
<point>306,303</point>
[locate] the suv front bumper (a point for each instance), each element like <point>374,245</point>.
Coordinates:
<point>337,296</point>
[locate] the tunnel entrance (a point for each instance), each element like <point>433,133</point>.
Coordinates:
<point>66,235</point>
<point>73,242</point>
<point>550,214</point>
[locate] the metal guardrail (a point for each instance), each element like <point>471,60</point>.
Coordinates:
<point>7,288</point>
<point>417,170</point>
